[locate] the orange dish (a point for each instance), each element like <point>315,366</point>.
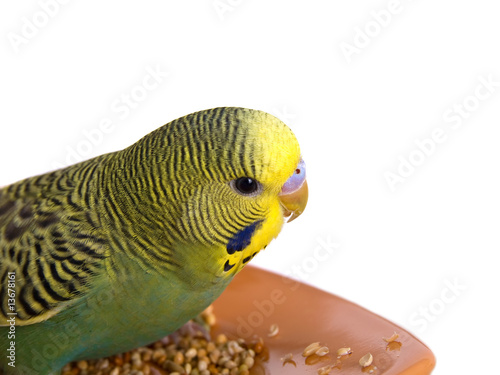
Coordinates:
<point>290,316</point>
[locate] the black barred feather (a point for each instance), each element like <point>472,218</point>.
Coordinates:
<point>48,241</point>
<point>150,203</point>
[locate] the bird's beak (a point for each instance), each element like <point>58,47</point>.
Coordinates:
<point>294,203</point>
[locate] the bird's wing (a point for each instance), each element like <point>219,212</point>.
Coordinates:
<point>49,249</point>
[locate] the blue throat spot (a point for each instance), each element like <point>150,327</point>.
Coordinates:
<point>242,238</point>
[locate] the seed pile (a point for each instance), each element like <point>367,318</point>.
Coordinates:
<point>184,352</point>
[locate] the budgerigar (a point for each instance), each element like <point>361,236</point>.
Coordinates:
<point>120,250</point>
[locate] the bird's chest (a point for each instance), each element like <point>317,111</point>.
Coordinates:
<point>164,300</point>
<point>141,308</point>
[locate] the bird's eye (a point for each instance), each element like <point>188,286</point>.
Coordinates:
<point>246,186</point>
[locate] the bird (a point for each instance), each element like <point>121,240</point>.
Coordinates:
<point>120,250</point>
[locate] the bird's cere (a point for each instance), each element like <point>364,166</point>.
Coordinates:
<point>294,193</point>
<point>296,180</point>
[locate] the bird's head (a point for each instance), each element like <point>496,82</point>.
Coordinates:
<point>226,180</point>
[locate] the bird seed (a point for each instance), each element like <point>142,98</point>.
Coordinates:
<point>288,358</point>
<point>344,351</point>
<point>392,338</point>
<point>325,370</point>
<point>183,352</point>
<point>273,331</point>
<point>311,349</point>
<point>366,360</point>
<point>322,351</point>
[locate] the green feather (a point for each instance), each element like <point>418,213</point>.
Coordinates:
<point>121,250</point>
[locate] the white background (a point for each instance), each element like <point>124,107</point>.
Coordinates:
<point>355,114</point>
